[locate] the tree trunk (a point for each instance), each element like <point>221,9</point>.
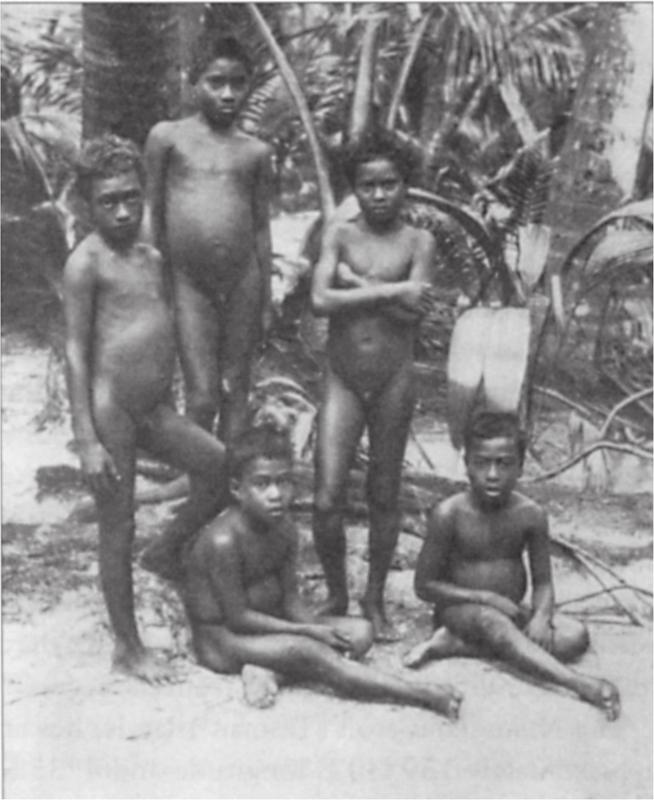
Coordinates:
<point>132,74</point>
<point>597,167</point>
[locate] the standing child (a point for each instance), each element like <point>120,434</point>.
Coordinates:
<point>372,279</point>
<point>120,354</point>
<point>471,568</point>
<point>243,604</point>
<point>208,188</point>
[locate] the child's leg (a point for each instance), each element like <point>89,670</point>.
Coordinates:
<point>116,524</point>
<point>356,629</point>
<point>441,644</point>
<point>197,325</point>
<point>571,638</point>
<point>388,429</point>
<point>182,443</point>
<point>340,424</point>
<point>302,658</point>
<point>241,334</point>
<point>491,630</point>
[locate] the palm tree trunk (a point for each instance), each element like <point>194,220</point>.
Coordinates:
<point>598,161</point>
<point>131,67</point>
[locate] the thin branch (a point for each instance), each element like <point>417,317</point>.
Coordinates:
<point>610,590</point>
<point>600,445</point>
<point>622,404</point>
<point>589,561</point>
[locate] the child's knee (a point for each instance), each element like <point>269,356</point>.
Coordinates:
<point>201,402</point>
<point>571,638</point>
<point>361,636</point>
<point>382,493</point>
<point>328,500</point>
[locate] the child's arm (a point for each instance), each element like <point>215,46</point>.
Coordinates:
<point>79,294</point>
<point>432,570</point>
<point>421,273</point>
<point>327,299</point>
<point>226,581</point>
<point>539,628</point>
<point>262,198</point>
<point>157,149</point>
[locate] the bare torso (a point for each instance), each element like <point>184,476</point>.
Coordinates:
<point>261,559</point>
<point>209,202</point>
<point>133,338</point>
<point>488,547</point>
<point>366,347</point>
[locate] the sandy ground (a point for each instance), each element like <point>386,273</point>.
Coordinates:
<point>71,729</point>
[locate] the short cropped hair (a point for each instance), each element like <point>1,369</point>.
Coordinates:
<point>263,441</point>
<point>209,50</point>
<point>378,143</point>
<point>493,425</point>
<point>106,157</point>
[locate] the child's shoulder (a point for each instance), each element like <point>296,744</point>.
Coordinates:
<point>520,503</point>
<point>257,147</point>
<point>448,508</point>
<point>85,255</point>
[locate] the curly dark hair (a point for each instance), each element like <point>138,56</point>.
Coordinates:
<point>211,48</point>
<point>105,157</point>
<point>262,441</point>
<point>378,143</point>
<point>492,425</point>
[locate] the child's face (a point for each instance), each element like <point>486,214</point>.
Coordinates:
<point>493,467</point>
<point>265,489</point>
<point>117,207</point>
<point>380,190</point>
<point>221,90</point>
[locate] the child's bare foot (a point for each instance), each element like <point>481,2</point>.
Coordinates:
<point>382,629</point>
<point>260,686</point>
<point>162,560</point>
<point>603,694</point>
<point>443,698</point>
<point>334,606</point>
<point>144,665</point>
<point>442,644</point>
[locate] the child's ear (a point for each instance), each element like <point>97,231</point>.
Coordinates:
<point>235,487</point>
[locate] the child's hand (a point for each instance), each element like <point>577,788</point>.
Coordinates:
<point>417,297</point>
<point>507,607</point>
<point>330,636</point>
<point>346,278</point>
<point>541,631</point>
<point>99,468</point>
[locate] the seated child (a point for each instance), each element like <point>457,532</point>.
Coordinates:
<point>242,599</point>
<point>373,281</point>
<point>120,355</point>
<point>471,568</point>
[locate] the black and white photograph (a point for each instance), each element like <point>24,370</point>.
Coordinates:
<point>327,439</point>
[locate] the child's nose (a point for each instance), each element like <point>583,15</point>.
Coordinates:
<point>122,211</point>
<point>492,470</point>
<point>378,192</point>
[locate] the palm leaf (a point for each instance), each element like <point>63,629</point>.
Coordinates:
<point>505,359</point>
<point>465,369</point>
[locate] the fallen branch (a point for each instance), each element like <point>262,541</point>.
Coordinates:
<point>603,444</point>
<point>599,592</point>
<point>633,398</point>
<point>589,561</point>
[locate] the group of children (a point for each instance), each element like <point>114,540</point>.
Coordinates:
<point>178,264</point>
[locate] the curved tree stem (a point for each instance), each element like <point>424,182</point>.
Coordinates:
<point>327,203</point>
<point>407,64</point>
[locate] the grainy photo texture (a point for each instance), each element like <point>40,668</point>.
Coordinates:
<point>327,400</point>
